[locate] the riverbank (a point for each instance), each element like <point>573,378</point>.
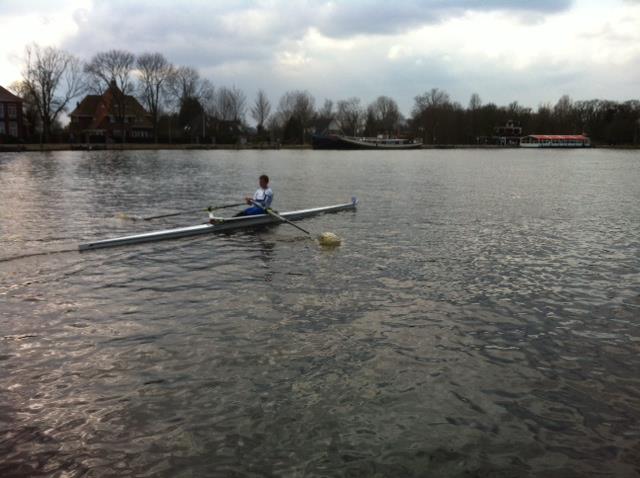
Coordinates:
<point>7,148</point>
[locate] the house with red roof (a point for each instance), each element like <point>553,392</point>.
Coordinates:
<point>105,118</point>
<point>11,121</point>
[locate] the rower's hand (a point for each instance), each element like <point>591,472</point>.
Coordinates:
<point>248,200</point>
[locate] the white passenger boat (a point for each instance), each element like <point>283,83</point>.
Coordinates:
<point>555,141</point>
<point>221,225</point>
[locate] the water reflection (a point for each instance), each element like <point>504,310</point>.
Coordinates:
<point>479,319</point>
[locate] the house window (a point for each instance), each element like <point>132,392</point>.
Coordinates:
<point>1,110</point>
<point>2,129</point>
<point>12,111</point>
<point>13,129</point>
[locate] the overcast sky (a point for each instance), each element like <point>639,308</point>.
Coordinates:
<point>529,51</point>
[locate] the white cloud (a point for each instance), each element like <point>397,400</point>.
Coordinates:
<point>46,23</point>
<point>504,50</point>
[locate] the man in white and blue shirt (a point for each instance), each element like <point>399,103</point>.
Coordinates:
<point>263,196</point>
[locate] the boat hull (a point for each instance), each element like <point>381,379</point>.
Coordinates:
<point>225,225</point>
<point>334,141</point>
<point>554,146</point>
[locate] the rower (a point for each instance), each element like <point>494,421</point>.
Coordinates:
<point>263,196</point>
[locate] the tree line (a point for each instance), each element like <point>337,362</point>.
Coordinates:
<point>185,107</point>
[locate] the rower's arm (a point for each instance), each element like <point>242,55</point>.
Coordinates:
<point>268,199</point>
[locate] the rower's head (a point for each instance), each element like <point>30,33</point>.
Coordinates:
<point>264,181</point>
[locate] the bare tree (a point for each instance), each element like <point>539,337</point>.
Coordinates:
<point>350,115</point>
<point>544,119</point>
<point>207,96</point>
<point>429,111</point>
<point>223,104</point>
<point>184,83</point>
<point>110,68</point>
<point>287,105</point>
<point>326,112</point>
<point>261,109</point>
<point>240,104</point>
<point>385,114</point>
<point>51,78</point>
<point>111,71</point>
<point>564,114</point>
<point>195,99</point>
<point>304,111</point>
<point>324,116</point>
<point>231,104</point>
<point>275,125</point>
<point>183,97</point>
<point>296,110</point>
<point>433,98</point>
<point>563,106</point>
<point>475,103</point>
<point>154,72</point>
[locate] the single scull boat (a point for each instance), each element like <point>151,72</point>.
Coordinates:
<point>224,225</point>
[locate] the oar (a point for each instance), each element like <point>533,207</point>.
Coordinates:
<point>278,216</point>
<point>328,239</point>
<point>209,209</point>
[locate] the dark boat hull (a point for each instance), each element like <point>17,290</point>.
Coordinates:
<point>334,141</point>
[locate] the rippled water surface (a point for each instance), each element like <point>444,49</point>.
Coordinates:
<point>482,317</point>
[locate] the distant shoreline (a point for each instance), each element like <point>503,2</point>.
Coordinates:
<point>9,148</point>
<point>138,147</point>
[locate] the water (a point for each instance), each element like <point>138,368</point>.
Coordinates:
<point>482,317</point>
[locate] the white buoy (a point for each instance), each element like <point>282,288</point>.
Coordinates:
<point>329,239</point>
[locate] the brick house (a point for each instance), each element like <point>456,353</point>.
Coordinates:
<point>96,119</point>
<point>11,121</point>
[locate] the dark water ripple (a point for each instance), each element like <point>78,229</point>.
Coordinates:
<point>480,319</point>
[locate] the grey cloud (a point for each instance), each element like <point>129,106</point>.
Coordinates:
<point>200,33</point>
<point>194,33</point>
<point>384,17</point>
<point>194,36</point>
<point>292,19</point>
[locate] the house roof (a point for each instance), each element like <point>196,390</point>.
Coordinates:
<point>100,107</point>
<point>6,95</point>
<point>88,106</point>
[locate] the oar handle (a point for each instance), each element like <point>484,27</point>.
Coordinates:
<point>278,216</point>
